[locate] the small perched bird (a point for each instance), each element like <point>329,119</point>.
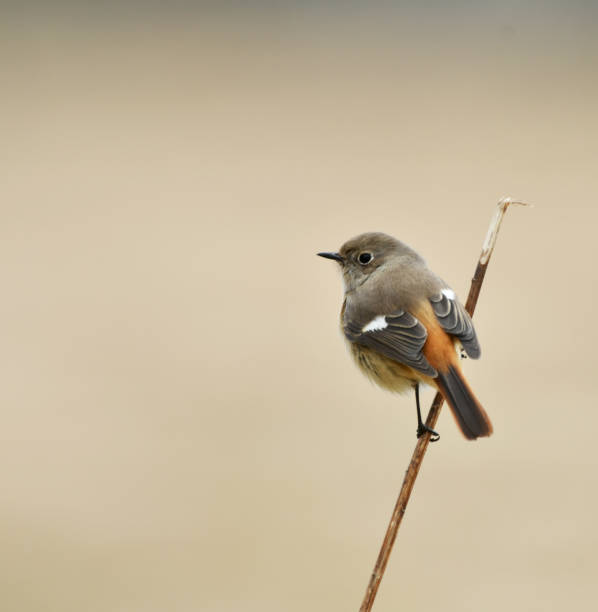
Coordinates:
<point>405,326</point>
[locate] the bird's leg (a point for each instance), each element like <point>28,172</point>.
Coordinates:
<point>422,428</point>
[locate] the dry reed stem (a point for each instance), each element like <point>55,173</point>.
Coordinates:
<point>422,443</point>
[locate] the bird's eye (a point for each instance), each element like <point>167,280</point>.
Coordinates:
<point>365,258</point>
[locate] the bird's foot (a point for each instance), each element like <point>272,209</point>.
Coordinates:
<point>423,429</point>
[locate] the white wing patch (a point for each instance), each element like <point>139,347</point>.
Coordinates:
<point>449,293</point>
<point>376,324</point>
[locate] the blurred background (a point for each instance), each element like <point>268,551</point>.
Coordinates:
<point>183,428</point>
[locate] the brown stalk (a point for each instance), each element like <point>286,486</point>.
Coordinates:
<point>422,444</point>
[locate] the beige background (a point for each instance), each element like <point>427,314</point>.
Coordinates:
<point>182,428</point>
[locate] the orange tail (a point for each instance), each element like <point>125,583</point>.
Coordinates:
<point>468,412</point>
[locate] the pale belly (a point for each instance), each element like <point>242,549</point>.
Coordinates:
<point>386,372</point>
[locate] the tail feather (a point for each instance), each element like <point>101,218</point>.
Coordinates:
<point>468,412</point>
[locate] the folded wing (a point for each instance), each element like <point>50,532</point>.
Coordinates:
<point>399,336</point>
<point>455,320</point>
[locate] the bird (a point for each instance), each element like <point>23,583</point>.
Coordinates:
<point>406,327</point>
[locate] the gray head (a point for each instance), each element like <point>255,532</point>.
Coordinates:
<point>361,256</point>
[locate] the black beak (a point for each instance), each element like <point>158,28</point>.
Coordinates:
<point>334,256</point>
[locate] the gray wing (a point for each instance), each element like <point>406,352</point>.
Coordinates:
<point>455,320</point>
<point>399,336</point>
